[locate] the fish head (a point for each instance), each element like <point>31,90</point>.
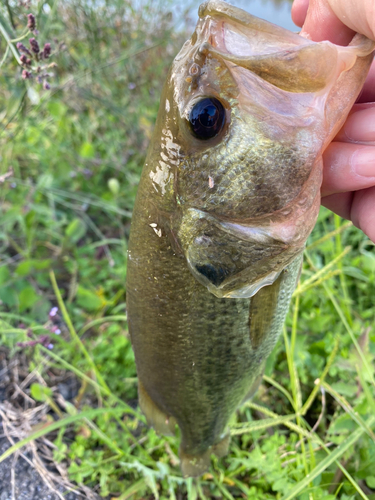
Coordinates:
<point>247,111</point>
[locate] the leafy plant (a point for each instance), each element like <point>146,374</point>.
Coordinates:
<point>71,160</point>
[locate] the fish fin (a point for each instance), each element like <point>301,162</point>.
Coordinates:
<point>254,387</point>
<point>196,465</point>
<point>156,418</point>
<point>221,448</point>
<point>263,307</point>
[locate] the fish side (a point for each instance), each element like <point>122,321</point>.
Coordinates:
<point>228,196</point>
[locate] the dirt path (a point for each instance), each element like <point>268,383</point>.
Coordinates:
<point>20,481</point>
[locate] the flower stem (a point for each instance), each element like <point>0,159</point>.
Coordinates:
<point>10,45</point>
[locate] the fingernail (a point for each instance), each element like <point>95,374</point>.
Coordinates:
<point>360,126</point>
<point>363,162</point>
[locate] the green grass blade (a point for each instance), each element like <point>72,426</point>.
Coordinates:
<point>366,390</point>
<point>294,427</point>
<point>318,382</point>
<point>100,321</point>
<point>83,376</point>
<point>72,331</point>
<point>134,488</point>
<point>58,425</point>
<point>329,235</point>
<point>348,408</point>
<point>260,424</point>
<point>282,389</point>
<point>329,460</point>
<point>322,272</point>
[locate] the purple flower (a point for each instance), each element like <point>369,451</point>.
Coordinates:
<point>26,74</point>
<point>87,173</point>
<point>46,50</point>
<point>23,49</point>
<point>55,329</point>
<point>31,23</point>
<point>34,45</point>
<point>53,312</point>
<point>46,85</point>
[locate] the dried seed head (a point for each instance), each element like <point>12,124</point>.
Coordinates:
<point>25,60</point>
<point>23,49</point>
<point>34,45</point>
<point>31,23</point>
<point>26,74</point>
<point>46,50</point>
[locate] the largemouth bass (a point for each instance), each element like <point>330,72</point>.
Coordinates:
<point>228,196</point>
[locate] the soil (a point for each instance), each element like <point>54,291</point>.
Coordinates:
<point>31,473</point>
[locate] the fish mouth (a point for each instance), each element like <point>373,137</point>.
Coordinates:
<point>284,59</point>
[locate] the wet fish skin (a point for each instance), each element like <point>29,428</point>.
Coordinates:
<point>216,221</point>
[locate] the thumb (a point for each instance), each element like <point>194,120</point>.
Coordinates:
<point>322,23</point>
<point>337,20</point>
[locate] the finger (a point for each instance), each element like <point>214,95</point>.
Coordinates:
<point>299,11</point>
<point>348,167</point>
<point>340,203</point>
<point>322,24</point>
<point>358,207</point>
<point>359,127</point>
<point>368,92</point>
<point>357,15</point>
<point>363,211</point>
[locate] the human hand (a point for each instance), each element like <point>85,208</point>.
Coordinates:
<point>348,187</point>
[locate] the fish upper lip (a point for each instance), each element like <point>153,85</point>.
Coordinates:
<point>221,19</point>
<point>271,52</point>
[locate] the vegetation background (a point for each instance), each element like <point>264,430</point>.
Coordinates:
<point>71,158</point>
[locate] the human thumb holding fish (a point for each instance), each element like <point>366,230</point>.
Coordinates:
<point>348,186</point>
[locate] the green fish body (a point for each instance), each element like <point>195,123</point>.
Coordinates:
<point>228,196</point>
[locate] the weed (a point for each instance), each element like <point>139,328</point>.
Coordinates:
<point>71,161</point>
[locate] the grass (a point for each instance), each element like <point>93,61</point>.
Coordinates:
<point>71,160</point>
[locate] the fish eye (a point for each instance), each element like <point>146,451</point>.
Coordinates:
<point>207,118</point>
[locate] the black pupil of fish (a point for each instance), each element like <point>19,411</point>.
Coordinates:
<point>207,118</point>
